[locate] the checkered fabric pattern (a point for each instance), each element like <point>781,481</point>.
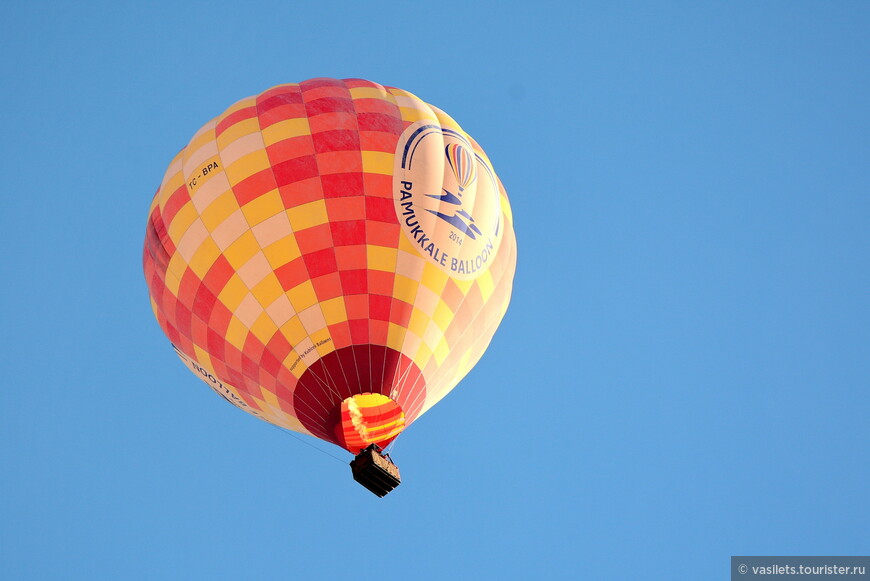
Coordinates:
<point>277,267</point>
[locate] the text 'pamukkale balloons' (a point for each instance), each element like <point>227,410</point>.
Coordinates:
<point>332,257</point>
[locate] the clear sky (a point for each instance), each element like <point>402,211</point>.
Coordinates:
<point>682,375</point>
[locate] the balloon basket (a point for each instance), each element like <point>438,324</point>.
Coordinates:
<point>375,471</point>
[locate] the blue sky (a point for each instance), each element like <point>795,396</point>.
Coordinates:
<point>682,375</point>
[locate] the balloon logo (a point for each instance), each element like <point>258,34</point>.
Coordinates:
<point>454,214</point>
<point>311,275</point>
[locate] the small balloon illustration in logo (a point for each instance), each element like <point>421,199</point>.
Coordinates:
<point>461,161</point>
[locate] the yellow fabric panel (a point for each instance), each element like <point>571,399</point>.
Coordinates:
<point>419,322</point>
<point>294,331</point>
<point>407,246</point>
<point>462,366</point>
<point>308,215</point>
<point>368,93</point>
<point>240,251</point>
<point>182,221</point>
<point>282,252</point>
<point>378,162</point>
<point>302,296</point>
<point>441,351</point>
<point>219,210</point>
<point>442,316</point>
<point>423,356</point>
<point>233,293</point>
<point>263,328</point>
<point>263,207</point>
<point>248,165</point>
<point>288,129</point>
<point>486,285</point>
<point>464,285</point>
<point>334,311</point>
<point>271,400</point>
<point>236,334</point>
<point>405,289</point>
<point>172,281</point>
<point>204,257</point>
<point>433,278</point>
<point>396,336</point>
<point>268,290</point>
<point>381,258</point>
<point>202,357</point>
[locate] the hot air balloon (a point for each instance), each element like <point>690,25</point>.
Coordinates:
<point>332,257</point>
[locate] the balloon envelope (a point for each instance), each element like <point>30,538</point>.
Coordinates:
<point>331,256</point>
